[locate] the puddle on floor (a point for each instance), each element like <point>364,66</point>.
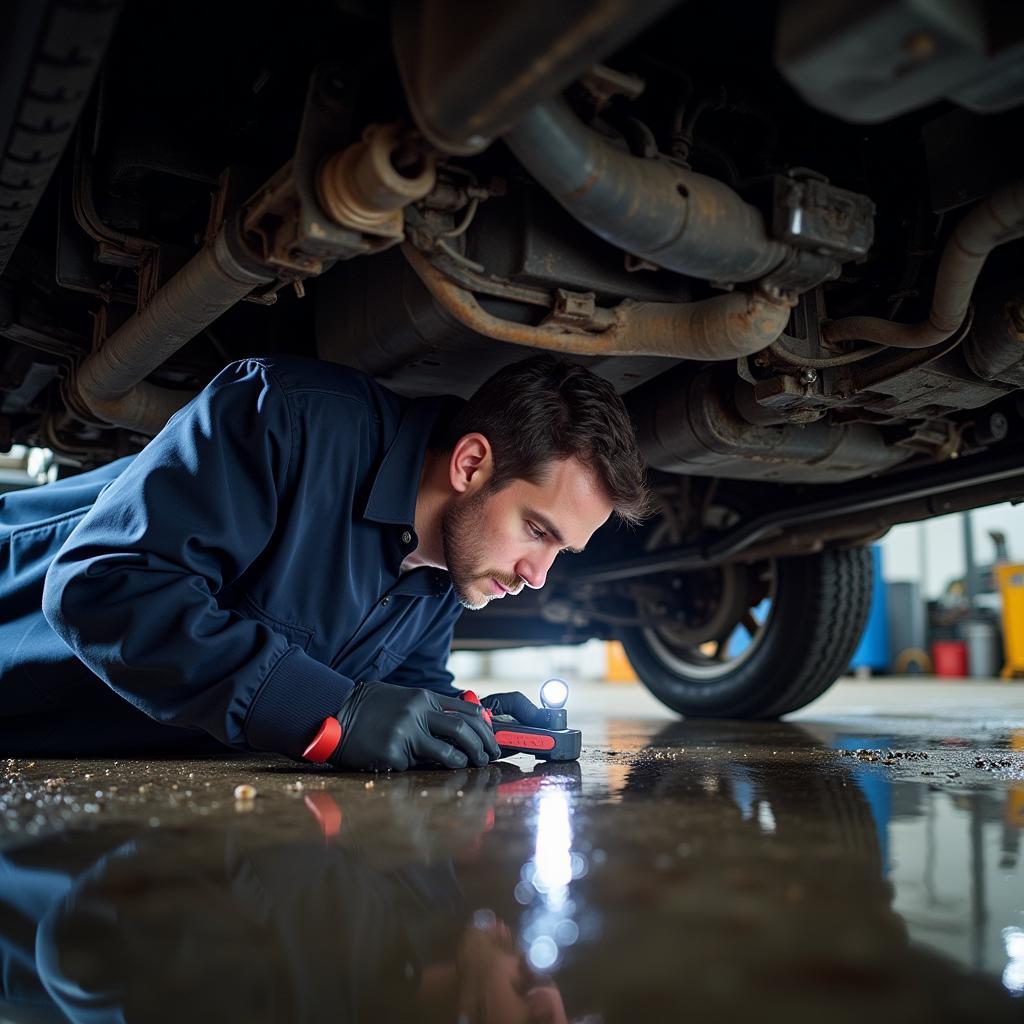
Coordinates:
<point>821,870</point>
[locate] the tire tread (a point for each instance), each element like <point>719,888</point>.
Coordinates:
<point>68,54</point>
<point>822,605</point>
<point>842,603</point>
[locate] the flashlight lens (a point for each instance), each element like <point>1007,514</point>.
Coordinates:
<point>554,693</point>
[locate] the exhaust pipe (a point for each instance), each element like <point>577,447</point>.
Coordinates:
<point>723,327</point>
<point>995,220</point>
<point>680,220</point>
<point>362,189</point>
<point>109,384</point>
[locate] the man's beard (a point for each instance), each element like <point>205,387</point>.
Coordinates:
<point>465,551</point>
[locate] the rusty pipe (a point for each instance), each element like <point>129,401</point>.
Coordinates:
<point>146,408</point>
<point>361,187</point>
<point>109,381</point>
<point>683,221</point>
<point>996,219</point>
<point>368,192</point>
<point>724,327</point>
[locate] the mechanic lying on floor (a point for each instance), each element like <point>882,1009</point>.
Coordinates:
<point>290,554</point>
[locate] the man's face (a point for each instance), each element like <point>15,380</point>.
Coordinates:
<point>498,543</point>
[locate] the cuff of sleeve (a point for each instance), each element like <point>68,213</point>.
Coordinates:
<point>293,702</point>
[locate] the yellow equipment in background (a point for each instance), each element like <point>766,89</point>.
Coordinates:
<point>617,666</point>
<point>1011,587</point>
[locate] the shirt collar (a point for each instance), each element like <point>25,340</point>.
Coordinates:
<point>395,486</point>
<point>392,499</point>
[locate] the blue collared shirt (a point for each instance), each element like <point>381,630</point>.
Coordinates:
<point>240,574</point>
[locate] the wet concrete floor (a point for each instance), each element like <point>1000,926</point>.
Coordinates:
<point>862,861</point>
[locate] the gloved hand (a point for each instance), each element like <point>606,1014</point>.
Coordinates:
<point>391,728</point>
<point>518,705</point>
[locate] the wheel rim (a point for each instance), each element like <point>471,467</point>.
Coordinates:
<point>738,634</point>
<point>698,661</point>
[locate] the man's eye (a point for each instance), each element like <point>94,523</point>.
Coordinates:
<point>537,534</point>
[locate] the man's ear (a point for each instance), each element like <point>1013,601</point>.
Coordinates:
<point>471,464</point>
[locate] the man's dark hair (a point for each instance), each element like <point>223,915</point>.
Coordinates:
<point>541,410</point>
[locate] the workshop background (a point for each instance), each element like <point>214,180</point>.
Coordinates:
<point>938,609</point>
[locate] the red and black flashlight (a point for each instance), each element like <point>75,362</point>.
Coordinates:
<point>551,742</point>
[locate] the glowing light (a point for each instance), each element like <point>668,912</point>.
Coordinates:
<point>524,893</point>
<point>1013,978</point>
<point>1013,973</point>
<point>543,953</point>
<point>554,693</point>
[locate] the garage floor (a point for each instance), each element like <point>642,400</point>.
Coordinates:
<point>863,857</point>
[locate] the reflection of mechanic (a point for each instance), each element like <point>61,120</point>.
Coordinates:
<point>162,928</point>
<point>294,536</point>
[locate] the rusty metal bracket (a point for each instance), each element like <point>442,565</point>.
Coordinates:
<point>580,310</point>
<point>271,224</point>
<point>285,221</point>
<point>340,196</point>
<point>939,439</point>
<point>149,277</point>
<point>114,248</point>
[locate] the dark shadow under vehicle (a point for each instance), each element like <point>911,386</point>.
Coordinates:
<point>790,237</point>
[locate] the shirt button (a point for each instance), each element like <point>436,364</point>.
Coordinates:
<point>406,537</point>
<point>385,602</point>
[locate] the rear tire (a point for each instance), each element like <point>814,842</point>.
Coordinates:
<point>50,55</point>
<point>819,609</point>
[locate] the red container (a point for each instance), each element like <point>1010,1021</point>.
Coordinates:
<point>950,657</point>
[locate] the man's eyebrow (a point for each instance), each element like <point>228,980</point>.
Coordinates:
<point>546,524</point>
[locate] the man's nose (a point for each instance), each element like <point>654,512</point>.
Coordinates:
<point>534,570</point>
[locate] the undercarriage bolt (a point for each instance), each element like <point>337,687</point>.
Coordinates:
<point>990,429</point>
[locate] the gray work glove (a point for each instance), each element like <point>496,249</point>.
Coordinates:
<point>392,728</point>
<point>518,706</point>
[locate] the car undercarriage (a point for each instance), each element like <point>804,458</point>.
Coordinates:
<point>790,238</point>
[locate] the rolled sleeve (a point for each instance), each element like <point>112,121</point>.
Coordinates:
<point>298,694</point>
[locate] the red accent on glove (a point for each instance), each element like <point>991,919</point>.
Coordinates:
<point>325,742</point>
<point>470,697</point>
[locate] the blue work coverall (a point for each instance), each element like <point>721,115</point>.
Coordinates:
<point>233,581</point>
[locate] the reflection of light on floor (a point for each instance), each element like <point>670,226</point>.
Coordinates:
<point>552,857</point>
<point>1013,973</point>
<point>549,924</point>
<point>617,775</point>
<point>765,817</point>
<point>744,790</point>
